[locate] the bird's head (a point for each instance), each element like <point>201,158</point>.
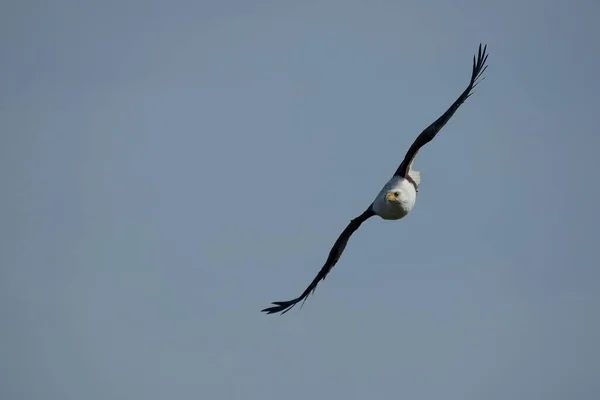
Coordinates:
<point>393,196</point>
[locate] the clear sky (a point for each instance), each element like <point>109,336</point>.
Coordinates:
<point>170,168</point>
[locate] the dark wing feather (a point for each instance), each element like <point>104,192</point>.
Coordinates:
<point>429,133</point>
<point>332,259</point>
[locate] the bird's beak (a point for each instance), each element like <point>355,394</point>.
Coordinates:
<point>390,196</point>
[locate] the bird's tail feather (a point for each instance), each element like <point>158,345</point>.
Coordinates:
<point>415,175</point>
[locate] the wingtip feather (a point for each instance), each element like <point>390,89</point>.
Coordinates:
<point>281,306</point>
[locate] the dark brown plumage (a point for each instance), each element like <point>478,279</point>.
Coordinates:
<point>332,259</point>
<point>429,133</point>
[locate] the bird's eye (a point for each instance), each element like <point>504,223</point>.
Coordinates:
<point>397,194</point>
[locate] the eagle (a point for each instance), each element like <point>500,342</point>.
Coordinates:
<point>398,196</point>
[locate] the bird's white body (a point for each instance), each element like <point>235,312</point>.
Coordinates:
<point>398,208</point>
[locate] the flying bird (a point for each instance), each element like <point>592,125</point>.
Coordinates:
<point>397,197</point>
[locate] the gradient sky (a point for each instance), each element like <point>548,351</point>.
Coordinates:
<point>170,168</point>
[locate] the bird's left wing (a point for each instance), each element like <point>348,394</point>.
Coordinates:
<point>429,133</point>
<point>332,259</point>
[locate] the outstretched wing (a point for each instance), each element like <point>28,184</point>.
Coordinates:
<point>429,133</point>
<point>332,259</point>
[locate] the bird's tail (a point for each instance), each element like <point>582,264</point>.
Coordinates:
<point>415,175</point>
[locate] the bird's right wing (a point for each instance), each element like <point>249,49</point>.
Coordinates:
<point>332,259</point>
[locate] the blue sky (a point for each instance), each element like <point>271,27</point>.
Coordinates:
<point>170,168</point>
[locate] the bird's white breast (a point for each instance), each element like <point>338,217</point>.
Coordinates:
<point>395,210</point>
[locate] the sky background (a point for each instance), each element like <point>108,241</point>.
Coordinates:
<point>168,169</point>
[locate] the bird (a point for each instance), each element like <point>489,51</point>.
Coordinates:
<point>398,196</point>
